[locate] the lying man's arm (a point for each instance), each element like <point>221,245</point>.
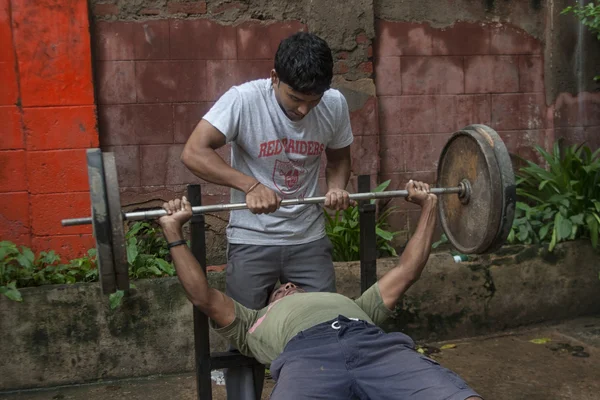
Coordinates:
<point>215,304</point>
<point>396,282</point>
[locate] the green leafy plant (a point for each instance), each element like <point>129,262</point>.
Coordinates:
<point>147,255</point>
<point>147,252</point>
<point>343,230</point>
<point>19,267</point>
<point>560,202</point>
<point>589,15</point>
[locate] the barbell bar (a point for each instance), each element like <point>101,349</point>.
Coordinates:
<point>475,179</point>
<point>461,190</point>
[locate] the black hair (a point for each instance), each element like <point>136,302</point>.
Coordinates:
<point>304,62</point>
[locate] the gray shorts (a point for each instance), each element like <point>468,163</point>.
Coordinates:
<point>253,271</point>
<point>350,359</point>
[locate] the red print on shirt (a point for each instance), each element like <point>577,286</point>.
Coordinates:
<point>288,176</point>
<point>291,146</point>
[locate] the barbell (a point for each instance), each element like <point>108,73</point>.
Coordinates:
<point>474,166</point>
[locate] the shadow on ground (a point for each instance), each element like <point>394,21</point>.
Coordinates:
<point>562,362</point>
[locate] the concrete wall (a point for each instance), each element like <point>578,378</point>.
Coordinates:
<point>47,120</point>
<point>68,334</point>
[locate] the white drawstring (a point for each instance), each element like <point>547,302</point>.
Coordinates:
<point>336,324</point>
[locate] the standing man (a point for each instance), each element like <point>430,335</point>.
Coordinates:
<point>278,129</point>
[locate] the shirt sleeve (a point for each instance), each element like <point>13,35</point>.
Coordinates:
<point>343,134</point>
<point>225,114</point>
<point>237,331</point>
<point>372,304</point>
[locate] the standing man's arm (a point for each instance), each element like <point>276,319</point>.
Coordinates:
<point>396,282</point>
<point>215,304</point>
<point>337,174</point>
<point>199,156</point>
<point>339,161</point>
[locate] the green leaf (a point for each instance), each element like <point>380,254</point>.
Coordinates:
<point>448,346</point>
<point>384,234</point>
<point>567,10</point>
<point>11,291</point>
<point>553,240</point>
<point>577,219</point>
<point>166,266</point>
<point>564,228</point>
<point>154,269</point>
<point>509,239</point>
<point>540,340</point>
<point>382,186</point>
<point>26,258</point>
<point>544,231</point>
<point>132,250</point>
<point>116,299</point>
<point>592,225</point>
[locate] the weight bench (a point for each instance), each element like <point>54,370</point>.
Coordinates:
<point>207,361</point>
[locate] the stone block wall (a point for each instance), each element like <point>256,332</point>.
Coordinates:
<point>47,120</point>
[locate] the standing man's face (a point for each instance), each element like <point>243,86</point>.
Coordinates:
<point>294,104</point>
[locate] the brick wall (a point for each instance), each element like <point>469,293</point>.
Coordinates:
<point>156,79</point>
<point>431,82</point>
<point>48,119</point>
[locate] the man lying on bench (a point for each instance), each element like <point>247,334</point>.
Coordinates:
<point>325,345</point>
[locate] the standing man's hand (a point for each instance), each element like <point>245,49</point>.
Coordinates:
<point>338,200</point>
<point>262,200</point>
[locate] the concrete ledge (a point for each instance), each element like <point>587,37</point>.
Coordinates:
<point>68,334</point>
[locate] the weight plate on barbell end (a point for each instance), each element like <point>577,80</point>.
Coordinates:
<point>119,247</point>
<point>508,184</point>
<point>101,223</point>
<point>473,228</point>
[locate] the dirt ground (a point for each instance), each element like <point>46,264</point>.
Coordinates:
<point>563,364</point>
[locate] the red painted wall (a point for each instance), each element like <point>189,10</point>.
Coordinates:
<point>48,120</point>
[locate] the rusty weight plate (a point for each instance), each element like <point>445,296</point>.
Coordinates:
<point>119,247</point>
<point>509,198</point>
<point>101,223</point>
<point>478,226</point>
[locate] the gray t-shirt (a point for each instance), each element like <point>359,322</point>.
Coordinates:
<point>283,155</point>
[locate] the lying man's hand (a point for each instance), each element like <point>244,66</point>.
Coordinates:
<point>418,192</point>
<point>338,200</point>
<point>178,213</point>
<point>262,200</point>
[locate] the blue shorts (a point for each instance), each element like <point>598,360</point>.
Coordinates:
<point>350,359</point>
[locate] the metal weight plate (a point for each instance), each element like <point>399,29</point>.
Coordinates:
<point>119,246</point>
<point>101,221</point>
<point>509,186</point>
<point>472,227</point>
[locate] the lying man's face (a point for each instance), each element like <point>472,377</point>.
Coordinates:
<point>285,290</point>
